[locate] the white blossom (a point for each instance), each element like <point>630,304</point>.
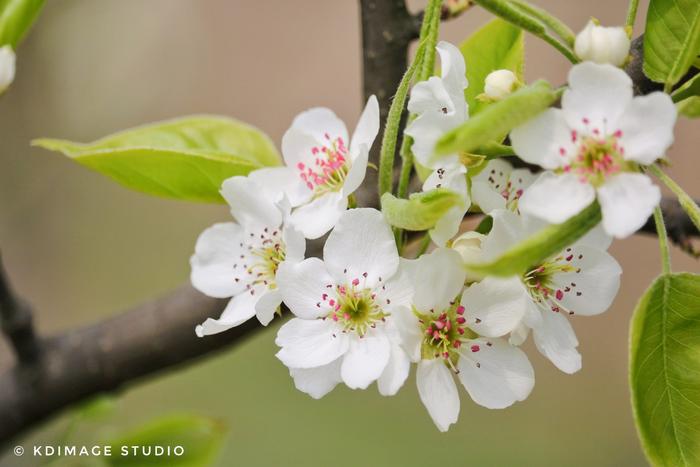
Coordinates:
<point>594,146</point>
<point>343,327</point>
<point>602,44</point>
<point>323,166</point>
<point>435,334</point>
<point>499,186</point>
<point>498,84</point>
<point>440,106</point>
<point>583,279</point>
<point>7,67</point>
<point>241,259</point>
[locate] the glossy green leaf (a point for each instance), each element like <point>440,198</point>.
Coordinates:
<point>200,438</point>
<point>497,45</point>
<point>689,107</point>
<point>16,17</point>
<point>187,158</point>
<point>665,370</point>
<point>421,210</point>
<point>541,245</point>
<point>671,39</point>
<point>498,119</point>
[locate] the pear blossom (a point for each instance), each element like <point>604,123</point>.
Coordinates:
<point>343,328</point>
<point>435,333</point>
<point>241,259</point>
<point>324,167</point>
<point>583,279</point>
<point>499,186</point>
<point>455,179</point>
<point>468,245</point>
<point>594,147</point>
<point>7,67</point>
<point>498,84</point>
<point>602,44</point>
<point>440,106</point>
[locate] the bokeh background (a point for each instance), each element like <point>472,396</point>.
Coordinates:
<point>82,248</point>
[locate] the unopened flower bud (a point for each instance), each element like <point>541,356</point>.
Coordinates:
<point>468,245</point>
<point>601,44</point>
<point>7,67</point>
<point>499,84</point>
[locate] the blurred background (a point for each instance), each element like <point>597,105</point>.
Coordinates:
<point>82,248</point>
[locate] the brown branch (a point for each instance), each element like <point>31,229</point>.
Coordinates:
<point>16,320</point>
<point>150,338</point>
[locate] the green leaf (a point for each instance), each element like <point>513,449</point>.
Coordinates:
<point>16,17</point>
<point>498,119</point>
<point>671,39</point>
<point>186,158</point>
<point>541,245</point>
<point>200,438</point>
<point>497,45</point>
<point>421,210</point>
<point>688,89</point>
<point>665,370</point>
<point>689,107</point>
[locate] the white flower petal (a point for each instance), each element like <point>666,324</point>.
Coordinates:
<point>310,343</point>
<point>238,310</point>
<point>367,127</point>
<point>216,251</point>
<point>410,331</point>
<point>294,245</point>
<point>545,140</point>
<point>357,172</point>
<point>597,238</point>
<point>556,198</point>
<point>496,375</point>
<point>319,381</point>
<point>556,340</point>
<point>519,335</point>
<point>395,373</point>
<point>453,74</point>
<point>437,278</point>
<point>627,200</point>
<point>320,215</point>
<point>318,123</point>
<point>495,306</point>
<point>396,292</point>
<point>361,247</point>
<point>430,96</point>
<point>303,285</point>
<point>267,305</point>
<point>647,127</point>
<point>596,98</point>
<point>250,203</point>
<point>507,230</point>
<point>282,180</point>
<point>426,130</point>
<point>365,360</point>
<point>591,290</point>
<point>438,392</point>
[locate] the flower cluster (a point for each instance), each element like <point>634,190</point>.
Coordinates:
<point>364,314</point>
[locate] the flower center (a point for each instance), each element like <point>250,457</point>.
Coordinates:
<point>597,157</point>
<point>444,334</point>
<point>329,169</point>
<point>355,308</point>
<point>266,251</point>
<point>542,287</point>
<point>510,189</point>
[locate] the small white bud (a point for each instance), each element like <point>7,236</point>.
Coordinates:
<point>602,44</point>
<point>468,245</point>
<point>7,67</point>
<point>499,84</point>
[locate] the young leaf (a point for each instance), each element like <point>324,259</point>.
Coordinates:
<point>16,17</point>
<point>199,437</point>
<point>498,45</point>
<point>665,370</point>
<point>498,119</point>
<point>688,89</point>
<point>689,107</point>
<point>421,210</point>
<point>671,39</point>
<point>187,158</point>
<point>540,246</point>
